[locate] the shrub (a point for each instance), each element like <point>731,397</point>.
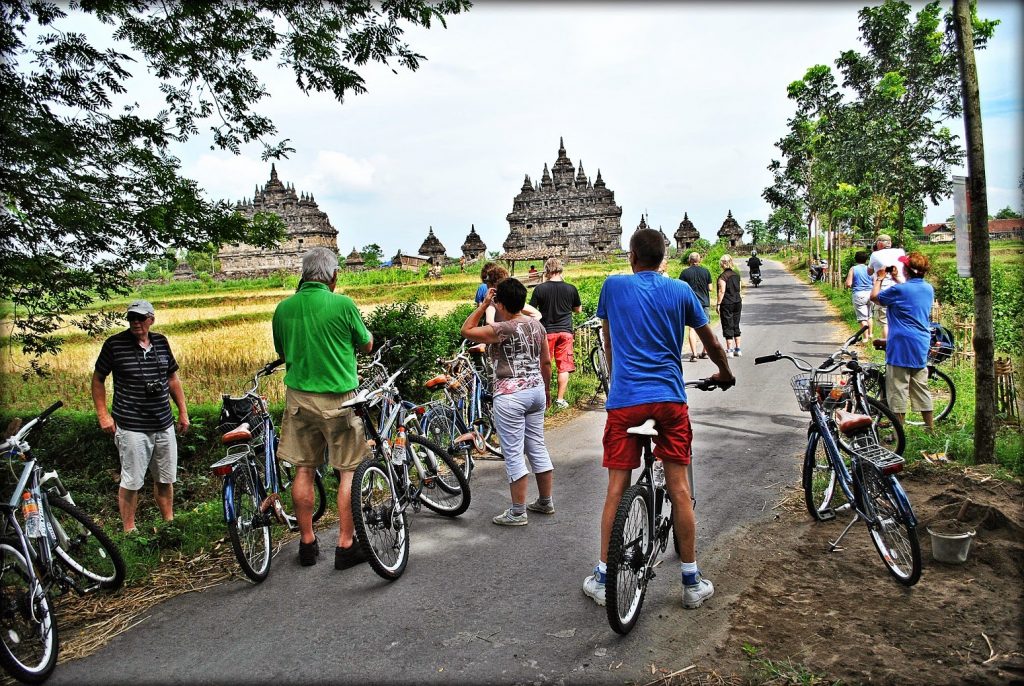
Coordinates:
<point>418,339</point>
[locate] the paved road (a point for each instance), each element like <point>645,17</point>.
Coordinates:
<point>484,604</point>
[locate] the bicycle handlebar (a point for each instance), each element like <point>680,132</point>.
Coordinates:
<point>270,367</point>
<point>16,439</point>
<point>709,384</point>
<point>800,364</point>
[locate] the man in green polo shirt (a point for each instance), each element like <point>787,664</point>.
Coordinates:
<point>318,333</point>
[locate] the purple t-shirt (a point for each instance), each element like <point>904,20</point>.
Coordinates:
<point>908,307</point>
<point>647,315</point>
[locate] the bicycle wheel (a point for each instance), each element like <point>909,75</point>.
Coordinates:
<point>319,491</point>
<point>891,532</point>
<point>821,489</point>
<point>628,555</point>
<point>28,627</point>
<point>884,422</point>
<point>485,425</point>
<point>874,383</point>
<point>943,393</point>
<point>84,548</point>
<point>440,428</point>
<point>247,528</point>
<point>600,369</point>
<point>382,530</point>
<point>444,488</point>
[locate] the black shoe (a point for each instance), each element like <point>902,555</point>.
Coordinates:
<point>308,552</point>
<point>349,557</point>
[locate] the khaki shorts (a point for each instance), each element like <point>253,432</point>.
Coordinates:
<point>314,422</point>
<point>883,318</point>
<point>142,450</point>
<point>904,382</point>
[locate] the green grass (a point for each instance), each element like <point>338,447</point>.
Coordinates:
<point>781,672</point>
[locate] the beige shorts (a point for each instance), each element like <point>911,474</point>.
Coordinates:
<point>903,383</point>
<point>883,319</point>
<point>315,422</point>
<point>156,451</point>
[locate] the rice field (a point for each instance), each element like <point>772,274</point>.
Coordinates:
<point>218,338</point>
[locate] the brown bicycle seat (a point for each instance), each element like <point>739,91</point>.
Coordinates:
<point>238,434</point>
<point>879,343</point>
<point>437,381</point>
<point>478,349</point>
<point>850,423</point>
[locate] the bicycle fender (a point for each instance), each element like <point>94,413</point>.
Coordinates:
<point>903,501</point>
<point>229,498</point>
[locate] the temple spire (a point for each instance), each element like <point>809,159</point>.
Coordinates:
<point>273,172</point>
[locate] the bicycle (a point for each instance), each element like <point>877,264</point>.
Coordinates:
<point>598,361</point>
<point>254,478</point>
<point>850,393</point>
<point>409,472</point>
<point>640,532</point>
<point>868,483</point>
<point>59,549</point>
<point>461,422</point>
<point>940,385</point>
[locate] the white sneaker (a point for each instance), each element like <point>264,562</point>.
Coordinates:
<point>737,353</point>
<point>729,353</point>
<point>694,595</point>
<point>506,518</point>
<point>594,588</point>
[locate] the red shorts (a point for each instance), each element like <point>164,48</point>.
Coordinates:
<point>560,345</point>
<point>672,444</point>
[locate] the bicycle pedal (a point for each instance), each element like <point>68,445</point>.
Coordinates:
<point>826,515</point>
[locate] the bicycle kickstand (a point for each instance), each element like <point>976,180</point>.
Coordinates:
<point>833,545</point>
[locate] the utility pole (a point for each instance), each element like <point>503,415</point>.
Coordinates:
<point>981,270</point>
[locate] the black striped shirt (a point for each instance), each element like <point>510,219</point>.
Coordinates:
<point>134,409</point>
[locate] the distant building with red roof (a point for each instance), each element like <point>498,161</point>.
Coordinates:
<point>998,229</point>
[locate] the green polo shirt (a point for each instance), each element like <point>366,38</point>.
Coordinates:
<point>317,333</point>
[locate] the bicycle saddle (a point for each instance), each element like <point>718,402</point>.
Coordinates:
<point>646,429</point>
<point>850,423</point>
<point>478,349</point>
<point>239,433</point>
<point>439,380</point>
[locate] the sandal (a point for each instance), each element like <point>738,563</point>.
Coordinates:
<point>704,355</point>
<point>693,358</point>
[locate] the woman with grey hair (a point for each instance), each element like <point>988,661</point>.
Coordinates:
<point>729,305</point>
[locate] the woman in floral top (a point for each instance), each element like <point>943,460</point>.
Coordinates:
<point>518,350</point>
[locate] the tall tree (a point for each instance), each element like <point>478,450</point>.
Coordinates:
<point>964,20</point>
<point>372,254</point>
<point>758,230</point>
<point>91,188</point>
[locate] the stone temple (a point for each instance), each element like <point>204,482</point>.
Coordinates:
<point>564,214</point>
<point>305,227</point>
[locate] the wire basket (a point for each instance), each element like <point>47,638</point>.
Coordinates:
<point>245,410</point>
<point>460,377</point>
<point>831,390</point>
<point>372,377</point>
<point>884,459</point>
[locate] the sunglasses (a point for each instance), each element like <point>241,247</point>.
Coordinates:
<point>137,317</point>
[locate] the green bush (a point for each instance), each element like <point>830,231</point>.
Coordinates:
<point>418,339</point>
<point>1007,302</point>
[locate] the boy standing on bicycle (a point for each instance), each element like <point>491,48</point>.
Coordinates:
<point>645,317</point>
<point>317,333</point>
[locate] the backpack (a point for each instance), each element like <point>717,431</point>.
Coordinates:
<point>942,345</point>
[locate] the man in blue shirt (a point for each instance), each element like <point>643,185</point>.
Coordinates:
<point>909,307</point>
<point>645,317</point>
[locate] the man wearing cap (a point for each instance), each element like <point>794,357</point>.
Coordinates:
<point>318,332</point>
<point>557,300</point>
<point>885,260</point>
<point>145,376</point>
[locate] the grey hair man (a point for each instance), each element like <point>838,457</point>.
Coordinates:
<point>557,300</point>
<point>697,278</point>
<point>886,259</point>
<point>318,333</point>
<point>145,379</point>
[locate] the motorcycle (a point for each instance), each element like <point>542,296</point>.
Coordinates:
<point>755,279</point>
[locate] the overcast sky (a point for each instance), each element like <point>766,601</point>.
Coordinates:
<point>678,105</point>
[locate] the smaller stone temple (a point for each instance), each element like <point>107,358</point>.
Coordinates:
<point>687,234</point>
<point>473,248</point>
<point>644,225</point>
<point>433,249</point>
<point>305,227</point>
<point>731,231</point>
<point>408,262</point>
<point>354,261</point>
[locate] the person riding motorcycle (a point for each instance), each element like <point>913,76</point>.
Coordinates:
<point>754,263</point>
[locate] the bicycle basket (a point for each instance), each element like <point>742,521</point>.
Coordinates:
<point>460,378</point>
<point>942,345</point>
<point>372,377</point>
<point>831,389</point>
<point>237,411</point>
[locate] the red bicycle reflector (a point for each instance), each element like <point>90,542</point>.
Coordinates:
<point>420,410</point>
<point>223,470</point>
<point>892,468</point>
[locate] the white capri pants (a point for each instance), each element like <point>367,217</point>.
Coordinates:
<point>519,419</point>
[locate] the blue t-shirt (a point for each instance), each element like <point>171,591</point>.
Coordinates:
<point>481,293</point>
<point>861,278</point>
<point>908,307</point>
<point>647,315</point>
